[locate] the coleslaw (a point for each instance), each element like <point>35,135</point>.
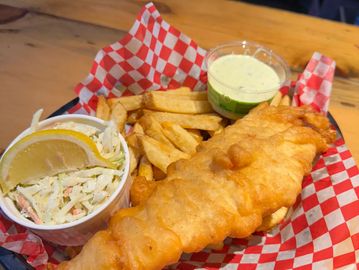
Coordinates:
<point>69,196</point>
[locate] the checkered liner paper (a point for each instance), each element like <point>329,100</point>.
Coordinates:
<point>322,231</point>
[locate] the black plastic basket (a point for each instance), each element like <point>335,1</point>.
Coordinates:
<point>12,261</point>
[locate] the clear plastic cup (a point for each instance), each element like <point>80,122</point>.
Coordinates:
<point>234,107</point>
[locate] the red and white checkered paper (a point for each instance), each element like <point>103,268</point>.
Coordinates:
<point>314,85</point>
<point>323,230</point>
<point>153,55</point>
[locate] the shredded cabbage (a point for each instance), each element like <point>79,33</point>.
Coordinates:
<point>66,197</point>
<point>35,120</point>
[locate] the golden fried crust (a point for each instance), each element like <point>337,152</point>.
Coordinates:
<point>141,189</point>
<point>272,220</point>
<point>247,172</point>
<point>105,254</point>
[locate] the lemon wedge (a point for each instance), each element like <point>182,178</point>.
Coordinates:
<point>46,153</point>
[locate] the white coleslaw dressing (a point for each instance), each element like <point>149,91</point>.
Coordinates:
<point>69,196</point>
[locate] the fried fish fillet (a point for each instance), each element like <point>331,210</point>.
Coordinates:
<point>238,177</point>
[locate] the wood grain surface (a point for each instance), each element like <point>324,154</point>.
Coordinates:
<point>9,14</point>
<point>210,22</point>
<point>41,60</point>
<point>46,52</point>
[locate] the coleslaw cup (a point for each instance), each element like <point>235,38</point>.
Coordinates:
<point>77,232</point>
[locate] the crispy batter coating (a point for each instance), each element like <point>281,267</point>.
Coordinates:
<point>141,189</point>
<point>247,172</point>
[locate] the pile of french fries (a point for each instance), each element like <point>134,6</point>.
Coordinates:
<point>167,126</point>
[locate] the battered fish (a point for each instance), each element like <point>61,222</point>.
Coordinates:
<point>247,172</point>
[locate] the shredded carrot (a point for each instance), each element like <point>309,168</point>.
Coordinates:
<point>25,206</point>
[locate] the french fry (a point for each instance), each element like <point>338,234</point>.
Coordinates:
<point>160,154</point>
<point>285,101</point>
<point>137,128</point>
<point>133,141</point>
<point>119,115</point>
<point>191,95</point>
<point>196,134</point>
<point>180,137</point>
<point>197,121</point>
<point>162,103</point>
<point>145,169</point>
<point>158,174</point>
<point>180,90</point>
<point>133,116</point>
<point>214,132</point>
<point>154,129</point>
<point>276,100</point>
<point>130,103</point>
<point>272,220</point>
<point>134,157</point>
<point>102,109</point>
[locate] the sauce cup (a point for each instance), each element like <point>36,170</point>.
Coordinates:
<point>241,75</point>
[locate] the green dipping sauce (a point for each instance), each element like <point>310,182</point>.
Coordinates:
<point>237,83</point>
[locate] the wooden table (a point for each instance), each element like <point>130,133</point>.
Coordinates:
<point>47,47</point>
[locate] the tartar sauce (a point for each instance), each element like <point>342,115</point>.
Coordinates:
<point>243,78</point>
